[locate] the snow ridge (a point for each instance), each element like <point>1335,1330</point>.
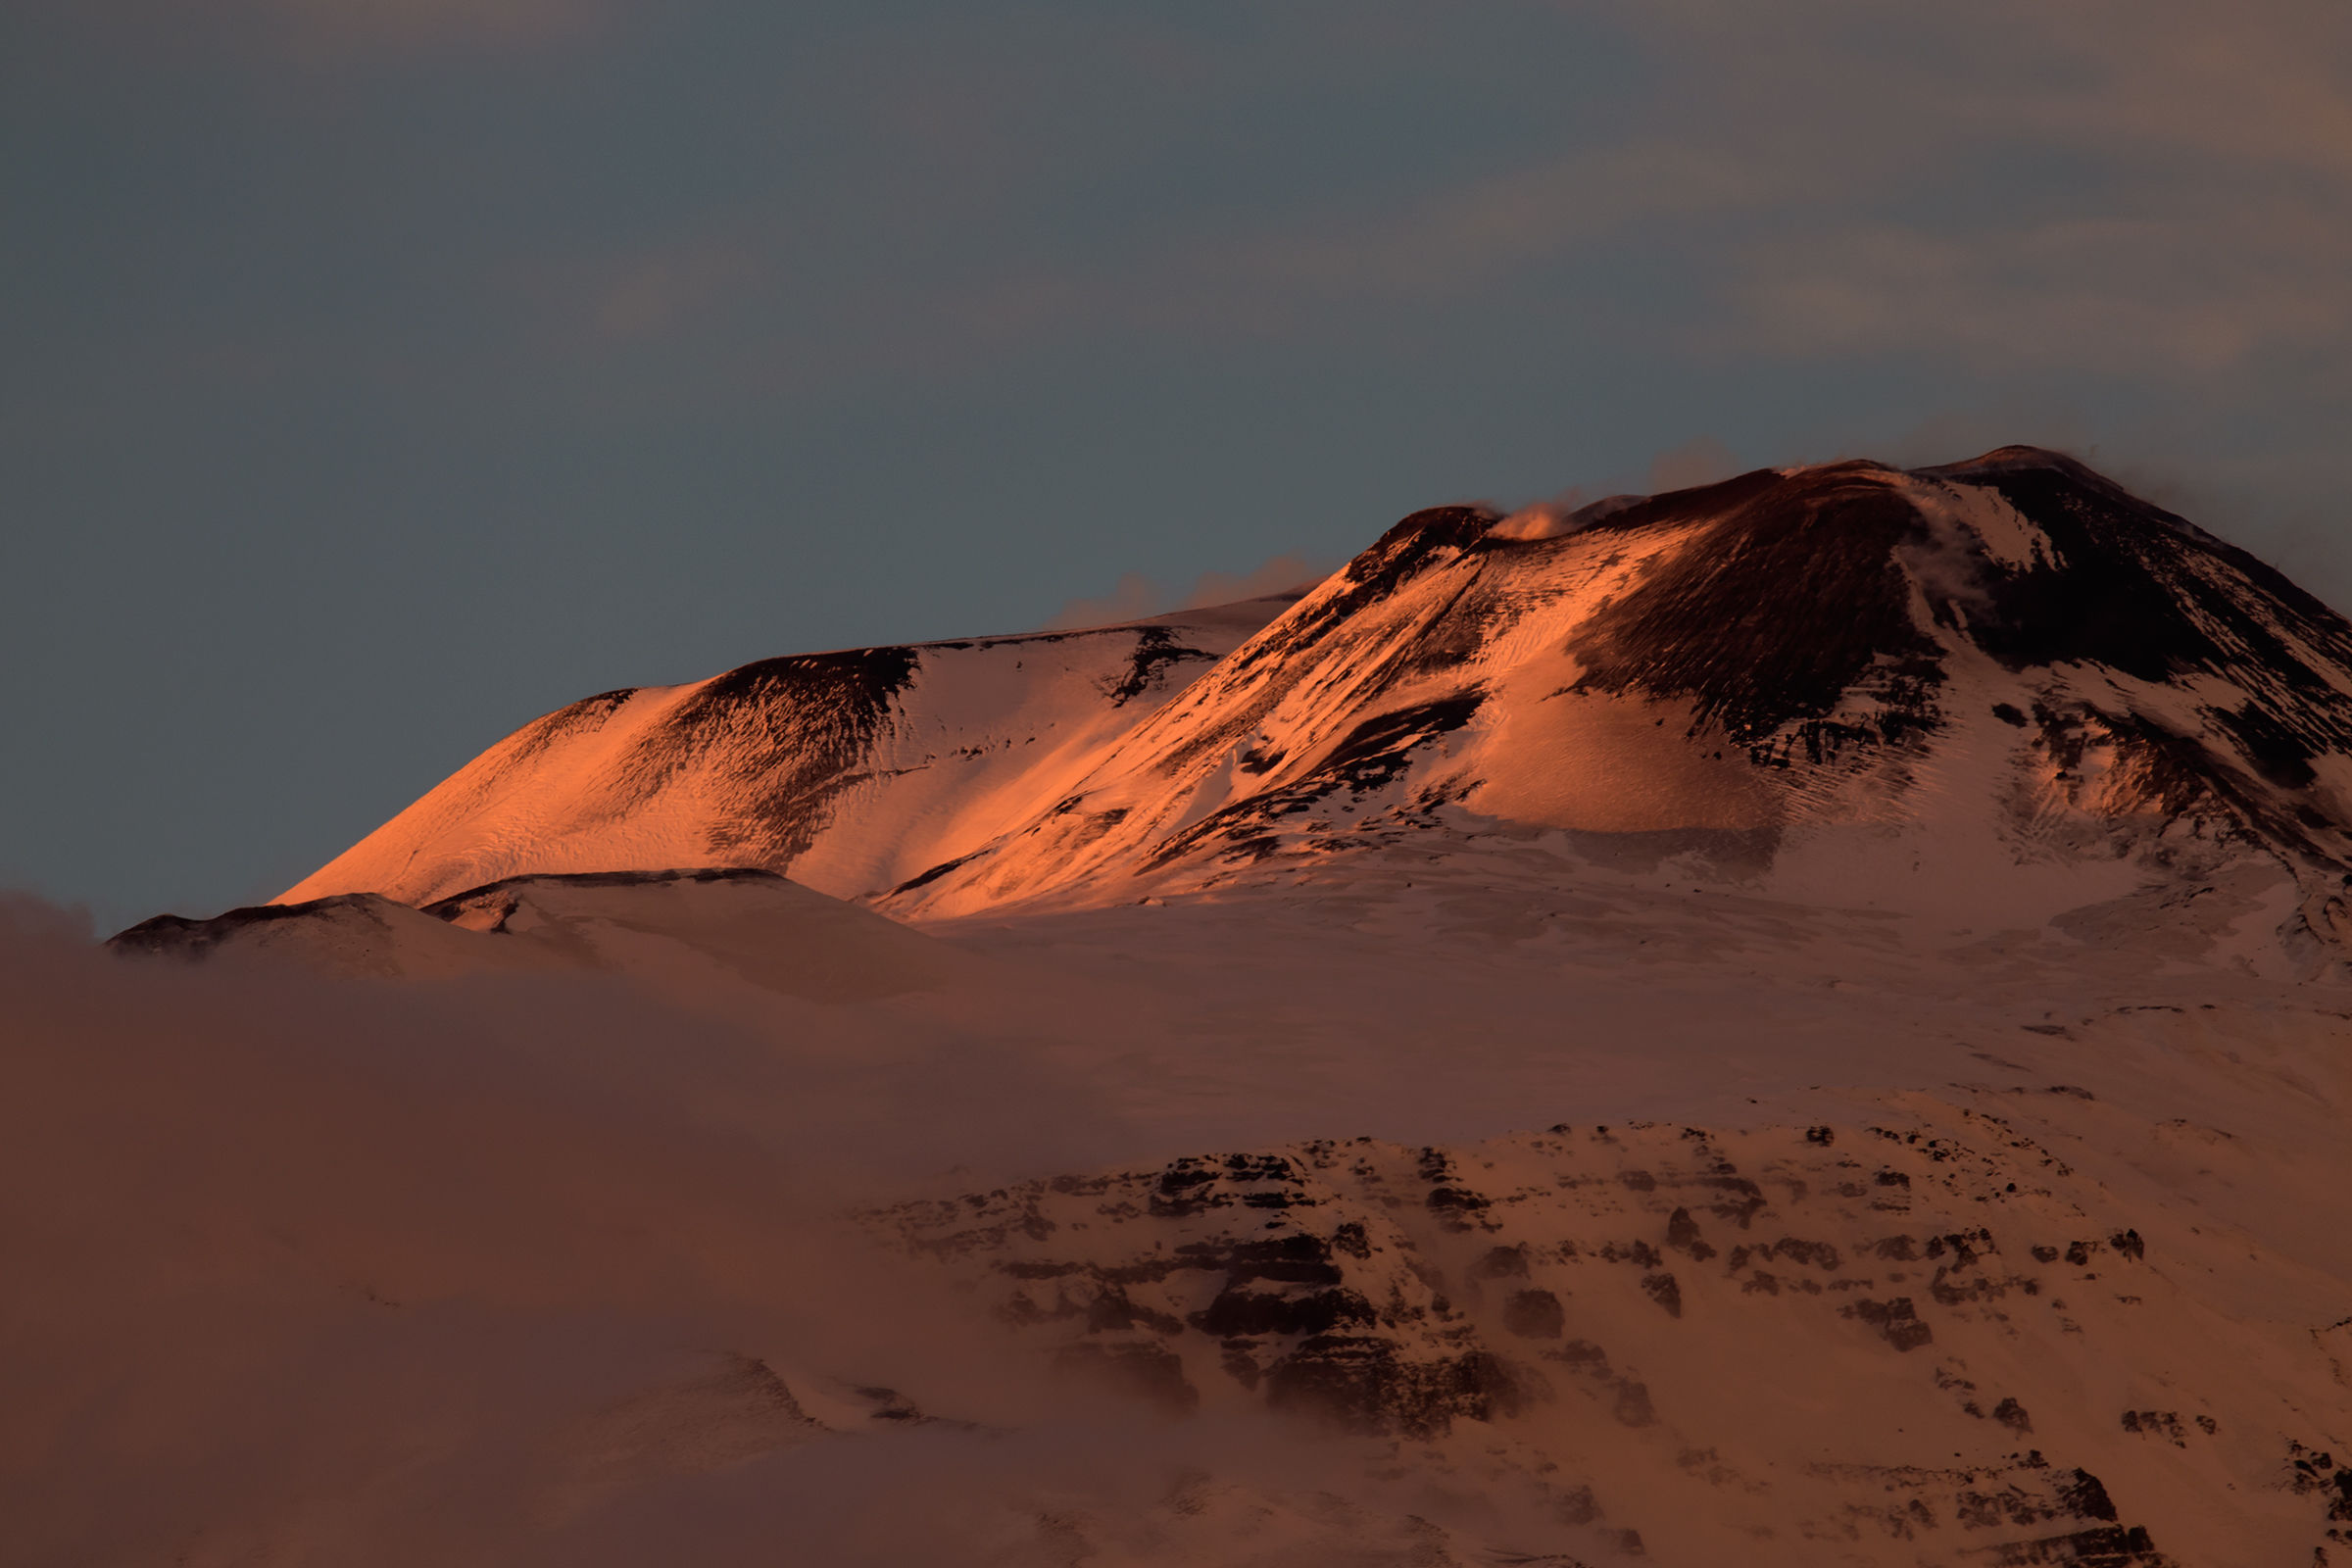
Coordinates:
<point>1829,681</point>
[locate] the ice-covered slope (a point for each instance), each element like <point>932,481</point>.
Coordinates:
<point>686,932</point>
<point>2009,675</point>
<point>854,770</point>
<point>2006,687</point>
<point>1480,1209</point>
<point>1926,1338</point>
<point>1741,1026</point>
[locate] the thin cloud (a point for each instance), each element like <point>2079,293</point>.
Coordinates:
<point>1283,572</point>
<point>648,295</point>
<point>375,26</point>
<point>318,33</point>
<point>1826,181</point>
<point>1701,459</point>
<point>1835,175</point>
<point>335,1268</point>
<point>1135,597</point>
<point>324,1261</point>
<point>2099,294</point>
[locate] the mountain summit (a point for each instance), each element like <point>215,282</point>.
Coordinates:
<point>2001,686</point>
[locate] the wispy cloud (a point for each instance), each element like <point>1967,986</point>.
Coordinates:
<point>2110,294</point>
<point>1135,597</point>
<point>398,24</point>
<point>2121,189</point>
<point>1282,572</point>
<point>1138,596</point>
<point>315,33</point>
<point>649,294</point>
<point>2154,188</point>
<point>1701,459</point>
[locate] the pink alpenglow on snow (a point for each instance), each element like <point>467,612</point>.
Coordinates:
<point>1952,688</point>
<point>1800,1020</point>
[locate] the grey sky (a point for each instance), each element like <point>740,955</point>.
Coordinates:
<point>376,375</point>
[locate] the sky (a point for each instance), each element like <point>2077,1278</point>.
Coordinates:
<point>378,375</point>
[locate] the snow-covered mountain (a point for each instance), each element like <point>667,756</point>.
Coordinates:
<point>1800,1021</point>
<point>1491,1207</point>
<point>2001,686</point>
<point>853,769</point>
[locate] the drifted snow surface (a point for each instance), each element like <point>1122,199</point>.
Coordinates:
<point>927,748</point>
<point>1520,1057</point>
<point>2003,684</point>
<point>1503,1206</point>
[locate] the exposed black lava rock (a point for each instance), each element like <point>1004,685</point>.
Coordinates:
<point>1238,1314</point>
<point>1706,627</point>
<point>1896,1321</point>
<point>1534,1315</point>
<point>2105,1546</point>
<point>1361,1382</point>
<point>190,938</point>
<point>806,721</point>
<point>1810,619</point>
<point>1155,648</point>
<point>181,937</point>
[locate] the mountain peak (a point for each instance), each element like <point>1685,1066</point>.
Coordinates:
<point>2020,456</point>
<point>1856,671</point>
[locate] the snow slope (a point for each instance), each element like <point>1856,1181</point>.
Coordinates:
<point>854,770</point>
<point>1788,1023</point>
<point>1501,1206</point>
<point>1850,678</point>
<point>2000,684</point>
<point>681,930</point>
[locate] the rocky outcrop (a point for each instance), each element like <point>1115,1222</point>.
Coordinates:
<point>1891,1332</point>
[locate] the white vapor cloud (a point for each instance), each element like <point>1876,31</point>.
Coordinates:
<point>1835,168</point>
<point>332,33</point>
<point>339,1269</point>
<point>1137,596</point>
<point>348,1270</point>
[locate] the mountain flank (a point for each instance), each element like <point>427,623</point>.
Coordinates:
<point>1846,683</point>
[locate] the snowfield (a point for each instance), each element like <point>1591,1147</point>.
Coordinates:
<point>1798,1022</point>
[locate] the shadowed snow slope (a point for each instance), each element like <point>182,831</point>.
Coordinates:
<point>677,930</point>
<point>1790,1023</point>
<point>1499,1207</point>
<point>2003,688</point>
